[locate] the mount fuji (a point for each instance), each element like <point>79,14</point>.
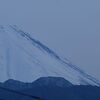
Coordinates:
<point>26,59</point>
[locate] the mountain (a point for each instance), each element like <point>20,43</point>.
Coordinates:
<point>42,81</point>
<point>16,90</point>
<point>26,59</point>
<point>47,88</point>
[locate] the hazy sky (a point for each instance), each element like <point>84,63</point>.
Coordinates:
<point>69,27</point>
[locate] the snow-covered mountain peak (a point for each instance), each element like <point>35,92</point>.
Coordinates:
<point>26,59</point>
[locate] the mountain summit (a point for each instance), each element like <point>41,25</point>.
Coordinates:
<point>25,59</point>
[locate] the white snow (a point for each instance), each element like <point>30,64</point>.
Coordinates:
<point>24,60</point>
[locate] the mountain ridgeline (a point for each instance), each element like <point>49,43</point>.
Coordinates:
<point>29,70</point>
<point>47,88</point>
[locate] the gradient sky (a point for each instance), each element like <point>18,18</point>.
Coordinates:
<point>69,27</point>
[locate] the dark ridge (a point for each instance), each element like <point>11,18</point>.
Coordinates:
<point>17,85</point>
<point>84,74</point>
<point>52,81</point>
<point>48,88</point>
<point>42,46</point>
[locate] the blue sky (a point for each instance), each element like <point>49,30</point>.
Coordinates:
<point>69,27</point>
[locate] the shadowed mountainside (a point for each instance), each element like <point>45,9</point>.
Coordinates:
<point>47,88</point>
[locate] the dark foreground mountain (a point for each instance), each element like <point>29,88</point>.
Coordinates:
<point>47,88</point>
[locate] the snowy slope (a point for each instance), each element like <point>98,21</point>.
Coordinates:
<point>25,59</point>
